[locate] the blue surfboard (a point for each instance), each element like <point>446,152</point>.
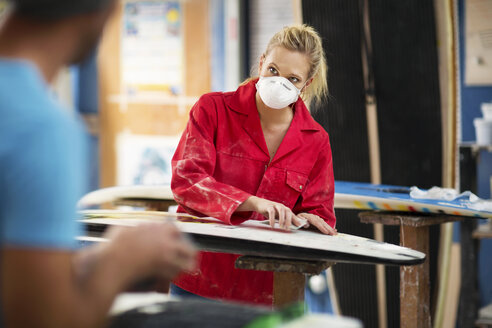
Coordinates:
<point>355,195</point>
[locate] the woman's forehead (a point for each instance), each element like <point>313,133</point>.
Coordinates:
<point>289,61</point>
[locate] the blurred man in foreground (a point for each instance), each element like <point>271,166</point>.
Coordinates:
<point>45,282</point>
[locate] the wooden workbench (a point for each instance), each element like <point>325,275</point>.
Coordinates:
<point>414,280</point>
<point>289,276</point>
<point>290,256</point>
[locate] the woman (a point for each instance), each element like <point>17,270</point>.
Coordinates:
<point>257,154</point>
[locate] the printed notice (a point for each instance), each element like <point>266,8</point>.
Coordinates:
<point>152,47</point>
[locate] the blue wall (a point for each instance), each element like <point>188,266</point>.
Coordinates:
<point>471,98</point>
<point>86,101</point>
<point>217,23</point>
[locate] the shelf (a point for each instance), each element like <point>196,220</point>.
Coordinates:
<point>475,147</point>
<point>152,98</point>
<point>485,316</point>
<point>483,231</point>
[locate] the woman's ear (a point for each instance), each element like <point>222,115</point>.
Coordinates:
<point>262,60</point>
<point>307,84</point>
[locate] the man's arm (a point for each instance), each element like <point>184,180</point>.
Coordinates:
<point>56,288</point>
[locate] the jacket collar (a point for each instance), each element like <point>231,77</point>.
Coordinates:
<point>243,102</point>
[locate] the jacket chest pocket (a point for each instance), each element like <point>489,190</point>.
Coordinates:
<point>296,181</point>
<point>293,186</point>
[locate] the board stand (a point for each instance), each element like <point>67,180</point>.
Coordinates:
<point>289,276</point>
<point>414,280</point>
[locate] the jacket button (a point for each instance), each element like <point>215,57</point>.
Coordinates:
<point>300,187</point>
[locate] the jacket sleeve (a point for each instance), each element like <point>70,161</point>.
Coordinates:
<point>319,193</point>
<point>193,164</point>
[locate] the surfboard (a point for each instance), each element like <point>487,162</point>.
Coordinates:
<point>259,239</point>
<point>367,196</point>
<point>348,195</point>
<point>111,194</point>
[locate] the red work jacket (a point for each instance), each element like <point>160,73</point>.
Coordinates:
<point>222,159</point>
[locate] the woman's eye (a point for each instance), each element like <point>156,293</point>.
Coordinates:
<point>294,79</point>
<point>272,70</point>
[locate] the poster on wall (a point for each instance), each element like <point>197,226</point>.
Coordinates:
<point>152,47</point>
<point>478,24</point>
<point>144,159</point>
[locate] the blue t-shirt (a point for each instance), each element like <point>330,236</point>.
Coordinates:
<point>42,162</point>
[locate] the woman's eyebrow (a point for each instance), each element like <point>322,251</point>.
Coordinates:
<point>297,76</point>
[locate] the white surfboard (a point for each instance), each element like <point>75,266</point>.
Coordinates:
<point>111,194</point>
<point>257,238</point>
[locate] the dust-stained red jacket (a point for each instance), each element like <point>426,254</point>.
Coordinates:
<point>222,159</point>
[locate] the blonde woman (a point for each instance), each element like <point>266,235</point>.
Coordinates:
<point>257,154</point>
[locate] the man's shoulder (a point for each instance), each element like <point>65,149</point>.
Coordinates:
<point>30,113</point>
<point>23,93</point>
<point>26,122</point>
<point>26,103</point>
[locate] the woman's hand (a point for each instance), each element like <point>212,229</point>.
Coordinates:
<point>318,223</point>
<point>273,211</point>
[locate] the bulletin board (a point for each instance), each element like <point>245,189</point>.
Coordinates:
<point>173,48</point>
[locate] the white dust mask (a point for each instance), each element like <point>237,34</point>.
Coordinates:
<point>277,91</point>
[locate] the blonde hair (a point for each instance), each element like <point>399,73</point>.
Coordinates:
<point>304,39</point>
